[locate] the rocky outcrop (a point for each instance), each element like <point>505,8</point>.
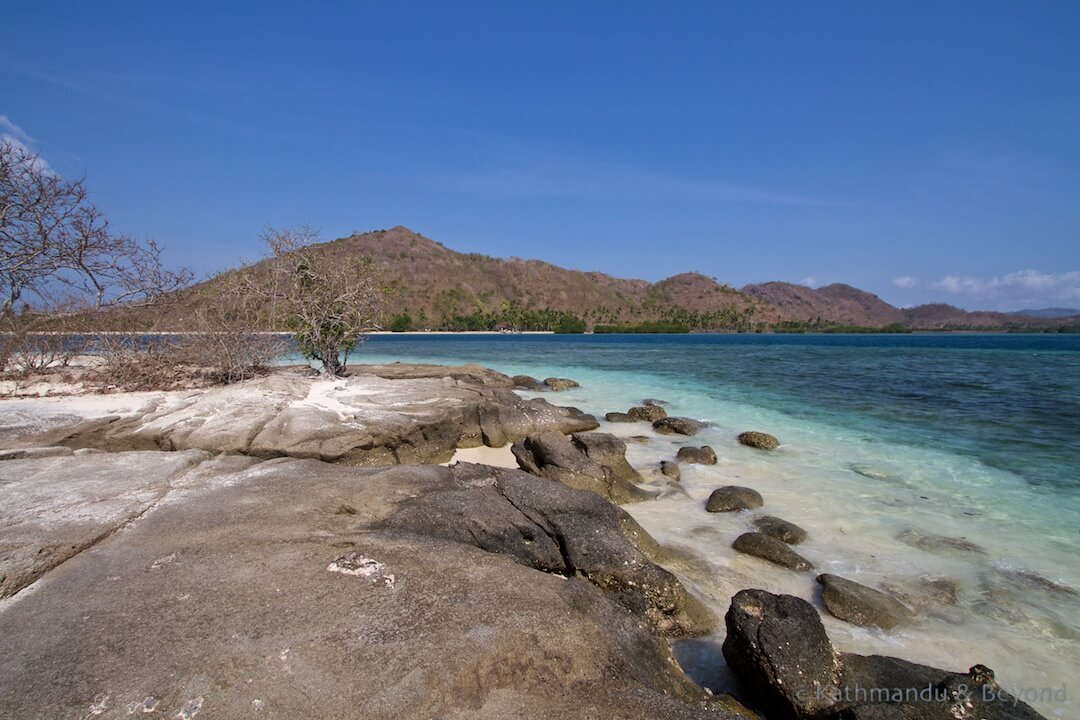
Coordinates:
<point>759,440</point>
<point>554,456</point>
<point>560,384</point>
<point>546,525</point>
<point>703,455</point>
<point>296,588</point>
<point>647,413</point>
<point>678,426</point>
<point>780,529</point>
<point>861,605</point>
<point>733,498</point>
<point>380,415</point>
<point>768,548</point>
<point>777,647</point>
<point>609,451</point>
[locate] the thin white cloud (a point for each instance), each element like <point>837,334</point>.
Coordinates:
<point>809,281</point>
<point>1024,288</point>
<point>904,281</point>
<point>12,130</point>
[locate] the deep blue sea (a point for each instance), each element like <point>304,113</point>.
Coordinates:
<point>889,443</point>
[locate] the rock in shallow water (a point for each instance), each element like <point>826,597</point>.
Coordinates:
<point>777,647</point>
<point>528,382</point>
<point>618,417</point>
<point>703,455</point>
<point>771,549</point>
<point>760,440</point>
<point>862,605</point>
<point>560,384</point>
<point>678,426</point>
<point>782,530</point>
<point>732,498</point>
<point>931,542</point>
<point>671,469</point>
<point>647,413</point>
<point>554,456</point>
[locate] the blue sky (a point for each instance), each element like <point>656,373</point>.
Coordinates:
<point>923,151</point>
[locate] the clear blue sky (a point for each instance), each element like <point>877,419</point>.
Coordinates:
<point>923,151</point>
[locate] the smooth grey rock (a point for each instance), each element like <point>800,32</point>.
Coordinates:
<point>733,498</point>
<point>780,529</point>
<point>760,440</point>
<point>670,469</point>
<point>861,605</point>
<point>647,413</point>
<point>703,455</point>
<point>618,417</point>
<point>678,426</point>
<point>36,452</point>
<point>771,549</point>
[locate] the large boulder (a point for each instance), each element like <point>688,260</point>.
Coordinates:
<point>678,426</point>
<point>778,650</point>
<point>560,384</point>
<point>768,548</point>
<point>528,382</point>
<point>759,440</point>
<point>618,417</point>
<point>647,413</point>
<point>861,605</point>
<point>703,455</point>
<point>554,456</point>
<point>733,498</point>
<point>780,529</point>
<point>609,451</point>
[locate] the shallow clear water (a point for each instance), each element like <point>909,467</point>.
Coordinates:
<point>883,438</point>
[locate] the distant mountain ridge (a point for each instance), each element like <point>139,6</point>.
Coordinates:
<point>436,287</point>
<point>1049,313</point>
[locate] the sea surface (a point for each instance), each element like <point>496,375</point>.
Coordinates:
<point>889,442</point>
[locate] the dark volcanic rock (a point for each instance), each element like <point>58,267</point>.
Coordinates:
<point>609,451</point>
<point>732,498</point>
<point>554,456</point>
<point>528,382</point>
<point>861,605</point>
<point>939,543</point>
<point>618,417</point>
<point>647,413</point>
<point>771,549</point>
<point>703,455</point>
<point>780,529</point>
<point>671,469</point>
<point>760,440</point>
<point>778,649</point>
<point>560,384</point>
<point>678,426</point>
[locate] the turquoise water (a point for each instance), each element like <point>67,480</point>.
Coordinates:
<point>883,437</point>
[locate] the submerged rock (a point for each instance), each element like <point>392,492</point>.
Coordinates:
<point>618,417</point>
<point>554,456</point>
<point>780,529</point>
<point>778,650</point>
<point>732,498</point>
<point>760,440</point>
<point>931,542</point>
<point>678,426</point>
<point>767,548</point>
<point>670,469</point>
<point>560,384</point>
<point>861,605</point>
<point>703,455</point>
<point>647,413</point>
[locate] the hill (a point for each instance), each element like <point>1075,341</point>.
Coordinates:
<point>435,287</point>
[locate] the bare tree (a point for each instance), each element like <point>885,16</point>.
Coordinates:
<point>56,244</point>
<point>331,303</point>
